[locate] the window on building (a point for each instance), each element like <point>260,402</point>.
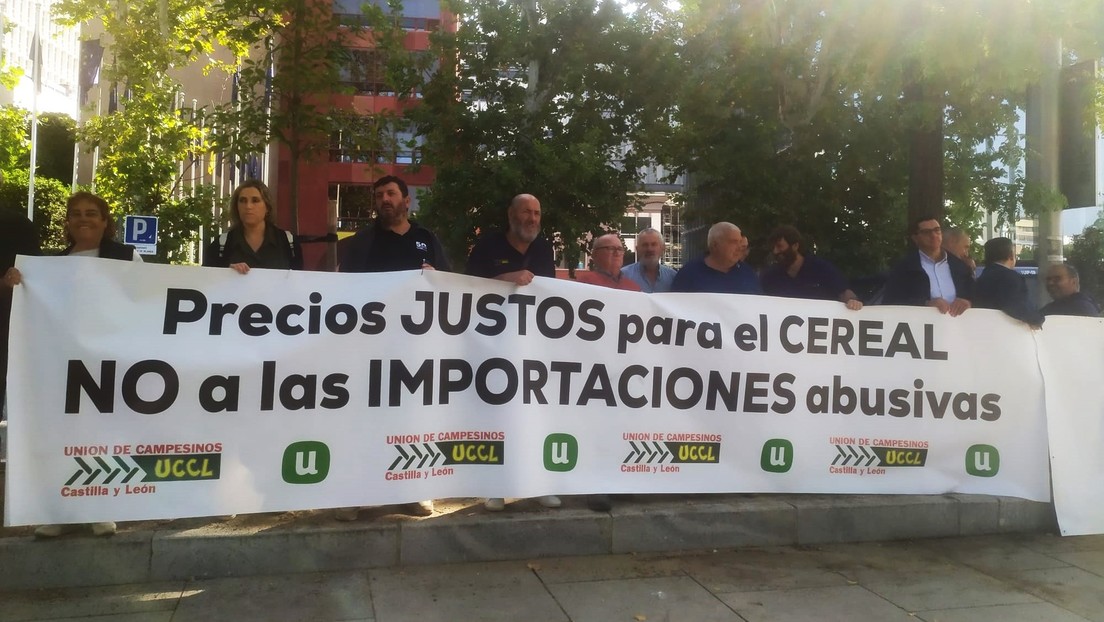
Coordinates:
<point>417,14</point>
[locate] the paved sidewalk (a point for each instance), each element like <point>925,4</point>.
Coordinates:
<point>1007,578</point>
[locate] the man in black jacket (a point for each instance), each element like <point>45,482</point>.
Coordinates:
<point>928,275</point>
<point>1064,286</point>
<point>1002,288</point>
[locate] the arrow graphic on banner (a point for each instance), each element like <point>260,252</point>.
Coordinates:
<point>412,452</point>
<point>655,452</point>
<point>846,454</point>
<point>104,468</point>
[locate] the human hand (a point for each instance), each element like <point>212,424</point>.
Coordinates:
<point>854,304</point>
<point>940,304</point>
<point>12,278</point>
<point>519,277</point>
<point>959,306</point>
<point>240,268</point>
<point>427,266</point>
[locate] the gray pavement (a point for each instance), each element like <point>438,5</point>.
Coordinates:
<point>1005,578</point>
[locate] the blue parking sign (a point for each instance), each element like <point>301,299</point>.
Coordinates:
<point>141,233</point>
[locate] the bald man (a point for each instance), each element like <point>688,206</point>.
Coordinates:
<point>518,254</point>
<point>607,255</point>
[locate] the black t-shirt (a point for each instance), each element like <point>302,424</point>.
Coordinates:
<point>493,255</point>
<point>390,251</point>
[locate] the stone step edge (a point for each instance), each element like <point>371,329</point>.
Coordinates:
<point>752,521</point>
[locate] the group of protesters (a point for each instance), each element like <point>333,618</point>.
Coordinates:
<point>934,273</point>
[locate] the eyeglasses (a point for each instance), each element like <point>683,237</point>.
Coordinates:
<point>616,250</point>
<point>932,231</point>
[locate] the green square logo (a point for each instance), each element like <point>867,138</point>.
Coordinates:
<point>561,452</point>
<point>306,462</point>
<point>778,456</point>
<point>982,460</point>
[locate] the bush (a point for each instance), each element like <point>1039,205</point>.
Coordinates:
<point>49,212</point>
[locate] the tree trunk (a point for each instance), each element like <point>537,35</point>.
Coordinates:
<point>925,196</point>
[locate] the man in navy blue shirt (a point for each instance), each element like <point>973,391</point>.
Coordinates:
<point>722,270</point>
<point>797,275</point>
<point>519,253</point>
<point>1001,287</point>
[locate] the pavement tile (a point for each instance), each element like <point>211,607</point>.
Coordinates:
<point>318,596</point>
<point>488,592</point>
<point>882,561</point>
<point>955,587</point>
<point>1030,612</point>
<point>112,600</point>
<point>1053,543</point>
<point>598,568</point>
<point>1074,589</point>
<point>1093,561</point>
<point>657,599</point>
<point>994,555</point>
<point>149,616</point>
<point>772,568</point>
<point>820,604</point>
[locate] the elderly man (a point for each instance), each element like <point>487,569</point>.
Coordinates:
<point>607,254</point>
<point>518,254</point>
<point>393,241</point>
<point>929,276</point>
<point>651,275</point>
<point>796,274</point>
<point>957,243</point>
<point>1064,286</point>
<point>722,270</point>
<point>515,256</point>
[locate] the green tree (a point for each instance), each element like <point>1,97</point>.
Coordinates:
<point>293,57</point>
<point>49,210</point>
<point>561,99</point>
<point>15,144</point>
<point>57,135</point>
<point>143,142</point>
<point>810,111</point>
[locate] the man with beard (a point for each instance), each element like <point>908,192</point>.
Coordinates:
<point>652,276</point>
<point>518,254</point>
<point>798,275</point>
<point>515,256</point>
<point>392,241</point>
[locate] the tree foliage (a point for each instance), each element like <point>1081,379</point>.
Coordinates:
<point>554,98</point>
<point>291,58</point>
<point>49,205</point>
<point>1086,253</point>
<point>797,110</point>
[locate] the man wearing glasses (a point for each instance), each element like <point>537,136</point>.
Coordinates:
<point>607,255</point>
<point>928,275</point>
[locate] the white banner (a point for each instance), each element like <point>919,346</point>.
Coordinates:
<point>142,391</point>
<point>1071,356</point>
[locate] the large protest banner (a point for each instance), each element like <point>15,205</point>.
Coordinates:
<point>147,391</point>
<point>1071,357</point>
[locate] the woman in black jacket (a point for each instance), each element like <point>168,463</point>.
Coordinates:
<point>253,239</point>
